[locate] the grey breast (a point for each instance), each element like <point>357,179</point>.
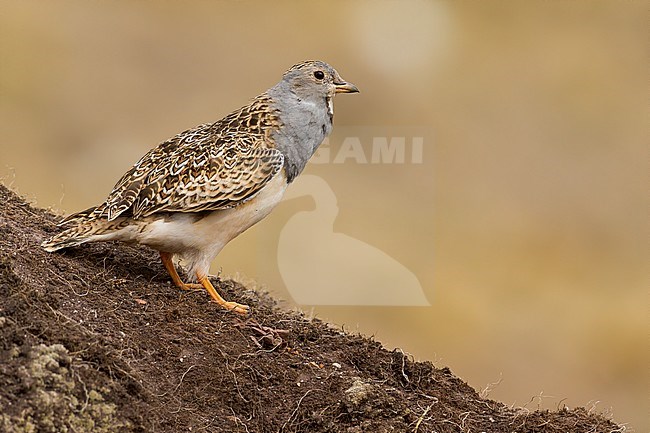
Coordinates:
<point>305,124</point>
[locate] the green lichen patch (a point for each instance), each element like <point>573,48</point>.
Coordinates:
<point>49,395</point>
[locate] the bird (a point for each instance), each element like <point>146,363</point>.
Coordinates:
<point>192,194</point>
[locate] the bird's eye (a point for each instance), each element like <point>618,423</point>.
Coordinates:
<point>319,75</point>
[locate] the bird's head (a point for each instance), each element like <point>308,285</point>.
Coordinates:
<point>315,80</point>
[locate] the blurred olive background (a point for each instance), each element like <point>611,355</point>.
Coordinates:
<point>525,223</point>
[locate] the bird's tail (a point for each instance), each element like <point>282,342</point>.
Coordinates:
<point>86,226</point>
<point>66,239</point>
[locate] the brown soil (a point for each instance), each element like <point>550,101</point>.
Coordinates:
<point>96,339</point>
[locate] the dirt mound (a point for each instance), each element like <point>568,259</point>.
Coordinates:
<point>96,339</point>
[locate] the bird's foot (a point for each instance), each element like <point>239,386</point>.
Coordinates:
<point>216,297</point>
<point>191,286</point>
<point>235,307</point>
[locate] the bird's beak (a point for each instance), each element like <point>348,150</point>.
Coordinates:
<point>345,88</point>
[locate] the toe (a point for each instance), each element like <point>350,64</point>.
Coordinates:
<point>237,308</point>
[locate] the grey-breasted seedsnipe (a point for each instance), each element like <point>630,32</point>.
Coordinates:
<point>199,190</point>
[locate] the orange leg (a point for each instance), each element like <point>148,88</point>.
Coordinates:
<point>203,283</point>
<point>171,269</point>
<point>228,305</point>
